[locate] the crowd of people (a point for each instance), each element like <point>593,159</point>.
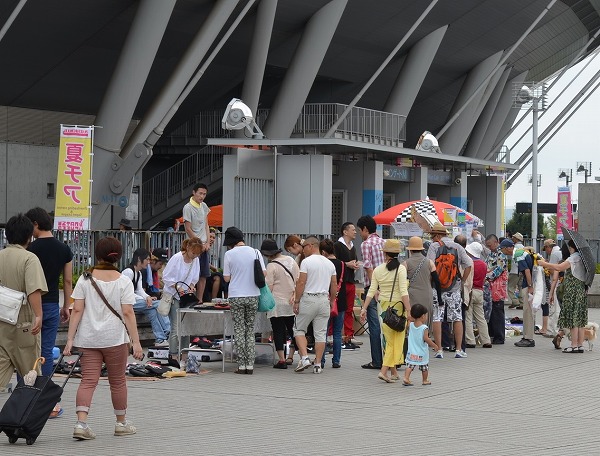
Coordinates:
<point>446,294</point>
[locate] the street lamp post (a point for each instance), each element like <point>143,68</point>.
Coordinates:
<point>567,174</point>
<point>585,168</point>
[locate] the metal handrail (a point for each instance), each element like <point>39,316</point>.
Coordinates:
<point>173,181</point>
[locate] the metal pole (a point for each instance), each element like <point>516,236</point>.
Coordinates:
<point>534,167</point>
<point>380,69</point>
<point>498,66</point>
<point>11,18</point>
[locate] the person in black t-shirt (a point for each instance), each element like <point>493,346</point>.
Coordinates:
<point>56,259</point>
<point>345,251</point>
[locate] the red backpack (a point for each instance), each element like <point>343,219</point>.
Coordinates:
<point>446,265</point>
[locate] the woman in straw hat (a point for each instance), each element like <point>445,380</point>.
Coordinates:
<point>389,278</point>
<point>422,277</point>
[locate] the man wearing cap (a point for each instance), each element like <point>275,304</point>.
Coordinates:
<point>451,307</point>
<point>514,278</point>
<point>316,290</point>
<point>152,280</point>
<point>195,220</point>
<point>525,268</point>
<point>475,307</point>
<point>554,256</point>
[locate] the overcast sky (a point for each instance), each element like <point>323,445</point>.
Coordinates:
<point>577,141</point>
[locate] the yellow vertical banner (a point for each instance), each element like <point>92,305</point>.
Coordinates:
<point>72,210</point>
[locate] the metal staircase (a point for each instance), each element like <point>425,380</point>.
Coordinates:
<point>172,187</point>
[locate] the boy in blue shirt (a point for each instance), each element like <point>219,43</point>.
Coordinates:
<point>418,340</point>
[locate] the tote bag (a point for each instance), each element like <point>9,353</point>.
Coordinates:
<point>266,301</point>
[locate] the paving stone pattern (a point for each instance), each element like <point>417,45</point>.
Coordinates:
<point>501,401</point>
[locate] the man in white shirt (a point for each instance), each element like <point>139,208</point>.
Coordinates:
<point>315,292</point>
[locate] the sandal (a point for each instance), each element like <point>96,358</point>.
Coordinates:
<point>407,383</point>
<point>426,383</point>
<point>289,361</point>
<point>385,378</point>
<point>539,333</point>
<point>570,350</point>
<point>556,341</point>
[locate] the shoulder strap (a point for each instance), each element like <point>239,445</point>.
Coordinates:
<point>286,269</point>
<point>88,275</point>
<point>417,271</point>
<point>394,284</point>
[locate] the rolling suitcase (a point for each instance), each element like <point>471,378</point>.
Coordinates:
<point>26,411</point>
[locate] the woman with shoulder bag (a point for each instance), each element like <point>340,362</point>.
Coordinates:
<point>183,267</point>
<point>102,325</point>
<point>282,274</point>
<point>389,278</point>
<point>238,270</point>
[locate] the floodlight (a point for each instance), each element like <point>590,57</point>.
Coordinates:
<point>238,116</point>
<point>524,95</point>
<point>428,143</point>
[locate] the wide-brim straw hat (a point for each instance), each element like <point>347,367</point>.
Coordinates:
<point>415,243</point>
<point>391,246</point>
<point>438,228</point>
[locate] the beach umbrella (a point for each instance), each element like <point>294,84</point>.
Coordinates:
<point>589,263</point>
<point>403,212</point>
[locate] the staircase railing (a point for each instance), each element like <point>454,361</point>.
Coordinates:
<point>172,182</point>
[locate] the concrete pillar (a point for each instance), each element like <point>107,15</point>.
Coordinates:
<point>504,115</point>
<point>486,115</point>
<point>413,72</point>
<point>123,93</point>
<point>485,192</point>
<point>304,194</point>
<point>257,59</point>
<point>418,189</point>
<point>372,185</point>
<point>184,70</point>
<point>303,69</point>
<point>455,137</point>
<point>458,191</point>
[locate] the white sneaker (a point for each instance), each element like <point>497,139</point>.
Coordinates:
<point>83,433</point>
<point>124,428</point>
<point>317,369</point>
<point>164,343</point>
<point>460,354</point>
<point>303,364</point>
<point>439,354</point>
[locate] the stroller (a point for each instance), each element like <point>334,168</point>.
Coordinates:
<point>26,411</point>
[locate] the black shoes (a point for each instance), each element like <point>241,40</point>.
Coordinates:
<point>525,343</point>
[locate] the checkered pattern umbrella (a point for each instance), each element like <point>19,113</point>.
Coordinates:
<point>403,212</point>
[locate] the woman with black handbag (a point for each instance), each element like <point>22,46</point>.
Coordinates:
<point>180,275</point>
<point>245,281</point>
<point>389,278</point>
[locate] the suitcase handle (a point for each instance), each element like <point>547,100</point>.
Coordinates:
<point>79,355</point>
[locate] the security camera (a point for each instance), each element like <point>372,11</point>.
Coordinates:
<point>239,116</point>
<point>428,143</point>
<point>457,181</point>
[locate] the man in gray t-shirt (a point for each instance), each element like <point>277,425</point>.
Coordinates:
<point>195,219</point>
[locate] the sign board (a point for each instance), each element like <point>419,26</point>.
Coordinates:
<point>407,229</point>
<point>73,182</point>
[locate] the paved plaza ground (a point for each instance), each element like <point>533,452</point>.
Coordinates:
<point>501,401</point>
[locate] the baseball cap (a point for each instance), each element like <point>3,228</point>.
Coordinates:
<point>506,243</point>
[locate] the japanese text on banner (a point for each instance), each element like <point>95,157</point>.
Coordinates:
<point>73,180</point>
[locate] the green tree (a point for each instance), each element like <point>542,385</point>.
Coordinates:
<point>522,224</point>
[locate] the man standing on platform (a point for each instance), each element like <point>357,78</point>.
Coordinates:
<point>372,256</point>
<point>195,219</point>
